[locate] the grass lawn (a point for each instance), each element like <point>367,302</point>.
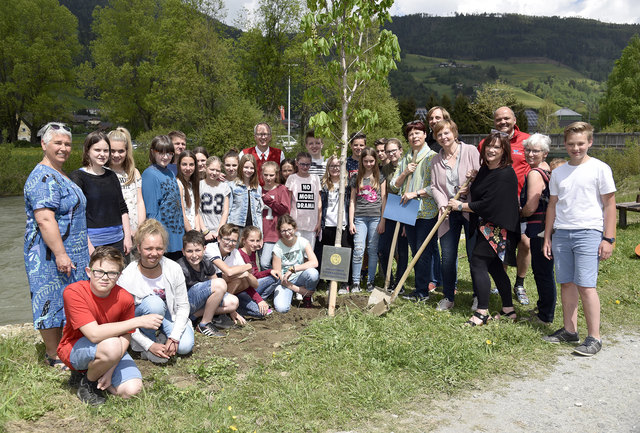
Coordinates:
<point>306,372</point>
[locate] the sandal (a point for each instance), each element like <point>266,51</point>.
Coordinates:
<point>57,363</point>
<point>511,315</point>
<point>484,318</point>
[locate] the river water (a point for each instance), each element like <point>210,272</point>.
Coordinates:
<point>15,304</point>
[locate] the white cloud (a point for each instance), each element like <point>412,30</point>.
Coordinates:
<point>613,11</point>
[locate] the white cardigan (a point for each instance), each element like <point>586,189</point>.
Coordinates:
<point>176,295</point>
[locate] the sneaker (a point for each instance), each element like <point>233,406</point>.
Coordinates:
<point>589,347</point>
<point>355,288</point>
<point>416,297</point>
<point>521,295</point>
<point>370,287</point>
<point>343,290</point>
<point>223,321</point>
<point>209,330</point>
<point>474,304</point>
<point>562,336</point>
<point>75,378</point>
<point>307,302</point>
<point>298,297</point>
<point>89,393</point>
<point>444,305</point>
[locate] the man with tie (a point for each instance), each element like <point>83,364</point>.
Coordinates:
<point>262,151</point>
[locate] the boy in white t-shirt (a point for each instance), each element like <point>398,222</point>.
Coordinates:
<point>306,207</point>
<point>579,229</point>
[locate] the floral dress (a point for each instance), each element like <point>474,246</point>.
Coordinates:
<point>46,188</point>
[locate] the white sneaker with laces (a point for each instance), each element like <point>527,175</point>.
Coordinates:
<point>444,305</point>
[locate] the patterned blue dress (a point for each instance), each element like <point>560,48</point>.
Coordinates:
<point>47,188</point>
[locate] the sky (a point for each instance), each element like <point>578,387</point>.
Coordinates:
<point>613,11</point>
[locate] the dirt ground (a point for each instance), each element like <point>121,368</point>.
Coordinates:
<point>588,395</point>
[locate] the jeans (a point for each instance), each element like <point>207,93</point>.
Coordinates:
<point>153,304</point>
<point>384,250</point>
<point>449,244</point>
<point>366,237</point>
<point>282,297</point>
<point>545,281</point>
<point>428,266</point>
<point>266,255</point>
<point>248,306</point>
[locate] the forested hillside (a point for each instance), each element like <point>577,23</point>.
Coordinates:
<point>588,46</point>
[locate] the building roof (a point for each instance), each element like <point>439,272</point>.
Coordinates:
<point>566,112</point>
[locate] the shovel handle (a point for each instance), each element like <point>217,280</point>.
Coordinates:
<point>433,231</point>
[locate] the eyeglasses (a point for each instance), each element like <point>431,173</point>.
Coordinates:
<point>53,125</point>
<point>334,167</point>
<point>229,241</point>
<point>286,231</point>
<point>534,151</point>
<point>262,135</point>
<point>392,151</point>
<point>303,164</point>
<point>99,273</point>
<point>164,154</point>
<point>415,122</point>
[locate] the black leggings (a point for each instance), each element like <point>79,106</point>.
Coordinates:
<point>485,262</point>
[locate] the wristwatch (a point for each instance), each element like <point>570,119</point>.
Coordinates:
<point>610,240</point>
<point>460,207</point>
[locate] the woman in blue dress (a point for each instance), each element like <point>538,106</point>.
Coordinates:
<point>56,250</point>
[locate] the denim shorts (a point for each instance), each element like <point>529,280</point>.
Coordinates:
<point>575,253</point>
<point>198,295</point>
<point>84,351</point>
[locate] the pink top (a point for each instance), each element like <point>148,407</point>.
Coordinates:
<point>469,159</point>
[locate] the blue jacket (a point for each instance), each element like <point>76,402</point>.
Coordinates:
<point>239,205</point>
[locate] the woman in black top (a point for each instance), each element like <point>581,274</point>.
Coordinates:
<point>494,211</point>
<point>107,213</point>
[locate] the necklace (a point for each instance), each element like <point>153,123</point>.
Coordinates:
<point>149,267</point>
<point>448,157</point>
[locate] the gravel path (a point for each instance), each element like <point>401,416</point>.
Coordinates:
<point>598,394</point>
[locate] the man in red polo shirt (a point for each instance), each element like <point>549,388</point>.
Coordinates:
<point>262,151</point>
<point>504,120</point>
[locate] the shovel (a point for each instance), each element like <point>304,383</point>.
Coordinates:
<point>385,300</point>
<point>379,294</point>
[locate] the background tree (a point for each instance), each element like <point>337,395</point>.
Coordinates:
<point>621,102</point>
<point>463,115</point>
<point>38,41</point>
<point>262,52</point>
<point>491,96</point>
<point>547,122</point>
<point>341,32</point>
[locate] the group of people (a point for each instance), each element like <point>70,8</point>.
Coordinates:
<point>198,243</point>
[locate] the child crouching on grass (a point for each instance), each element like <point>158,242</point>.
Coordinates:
<point>295,265</point>
<point>206,292</point>
<point>230,265</point>
<point>100,320</point>
<point>252,301</point>
<point>579,232</point>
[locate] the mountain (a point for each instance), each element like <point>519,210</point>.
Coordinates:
<point>588,46</point>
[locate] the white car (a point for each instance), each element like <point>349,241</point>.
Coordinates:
<point>287,142</point>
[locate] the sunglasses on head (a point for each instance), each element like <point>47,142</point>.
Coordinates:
<point>53,125</point>
<point>499,133</point>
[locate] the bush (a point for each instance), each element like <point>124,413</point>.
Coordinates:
<point>623,164</point>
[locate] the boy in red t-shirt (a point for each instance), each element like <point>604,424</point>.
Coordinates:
<point>100,320</point>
